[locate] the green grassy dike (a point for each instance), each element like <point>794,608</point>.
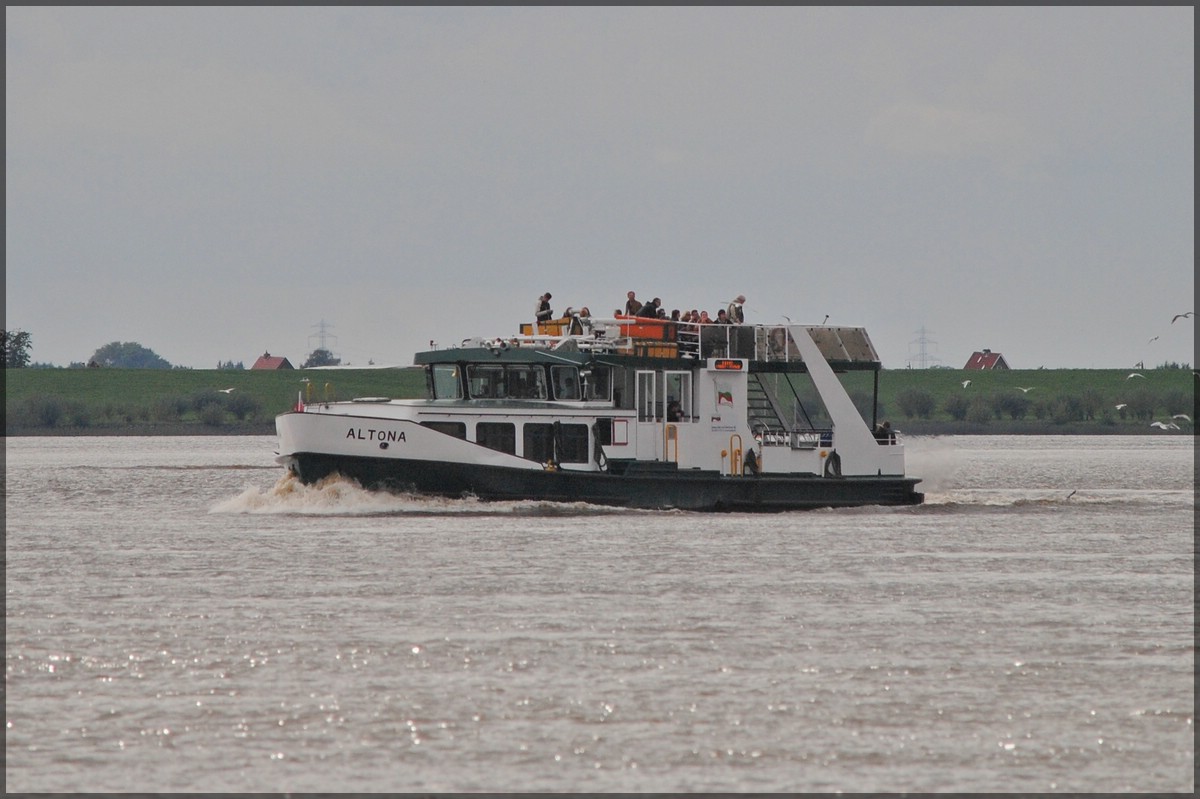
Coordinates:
<point>918,402</point>
<point>41,402</point>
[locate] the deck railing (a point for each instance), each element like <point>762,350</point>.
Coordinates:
<point>663,338</point>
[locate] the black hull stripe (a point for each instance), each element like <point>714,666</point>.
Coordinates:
<point>685,490</point>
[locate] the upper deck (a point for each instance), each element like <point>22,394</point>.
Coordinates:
<point>769,348</point>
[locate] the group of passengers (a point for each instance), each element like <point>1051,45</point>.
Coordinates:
<point>653,309</point>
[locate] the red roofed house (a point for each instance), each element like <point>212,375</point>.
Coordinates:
<point>986,360</point>
<point>269,361</point>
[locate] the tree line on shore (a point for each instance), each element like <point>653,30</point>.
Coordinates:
<point>918,410</point>
<point>124,355</point>
<point>1089,405</point>
<point>51,412</point>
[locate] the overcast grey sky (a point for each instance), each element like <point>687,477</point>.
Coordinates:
<point>213,183</point>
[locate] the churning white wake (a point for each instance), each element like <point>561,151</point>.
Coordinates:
<point>332,496</point>
<point>339,496</point>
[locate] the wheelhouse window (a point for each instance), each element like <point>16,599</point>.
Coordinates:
<point>444,382</point>
<point>525,382</point>
<point>494,381</point>
<point>485,381</point>
<point>500,436</point>
<point>566,382</point>
<point>598,383</point>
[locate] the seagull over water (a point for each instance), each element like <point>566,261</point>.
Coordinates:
<point>1167,426</point>
<point>1181,316</point>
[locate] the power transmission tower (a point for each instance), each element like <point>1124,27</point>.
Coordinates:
<point>923,358</point>
<point>321,335</point>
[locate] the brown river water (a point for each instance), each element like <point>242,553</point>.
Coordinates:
<point>182,617</point>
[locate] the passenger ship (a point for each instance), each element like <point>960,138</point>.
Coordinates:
<point>623,411</point>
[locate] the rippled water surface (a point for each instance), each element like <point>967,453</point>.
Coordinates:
<point>181,617</point>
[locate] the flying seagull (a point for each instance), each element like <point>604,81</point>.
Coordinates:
<point>1025,390</point>
<point>1181,316</point>
<point>1134,374</point>
<point>966,383</point>
<point>1167,426</point>
<point>225,390</point>
<point>1183,416</point>
<point>1071,494</point>
<point>1151,341</point>
<point>1121,405</point>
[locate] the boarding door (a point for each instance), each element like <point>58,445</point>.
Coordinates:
<point>677,411</point>
<point>650,417</point>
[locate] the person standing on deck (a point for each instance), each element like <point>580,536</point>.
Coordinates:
<point>734,312</point>
<point>544,314</point>
<point>632,304</point>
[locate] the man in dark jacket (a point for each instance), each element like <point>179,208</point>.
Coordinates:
<point>650,309</point>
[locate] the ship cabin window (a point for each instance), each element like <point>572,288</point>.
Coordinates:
<point>500,436</point>
<point>485,382</point>
<point>604,431</point>
<point>564,443</point>
<point>647,392</point>
<point>679,396</point>
<point>494,381</point>
<point>456,429</point>
<point>598,383</point>
<point>566,382</point>
<point>573,443</point>
<point>444,382</point>
<point>525,382</point>
<point>539,442</point>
